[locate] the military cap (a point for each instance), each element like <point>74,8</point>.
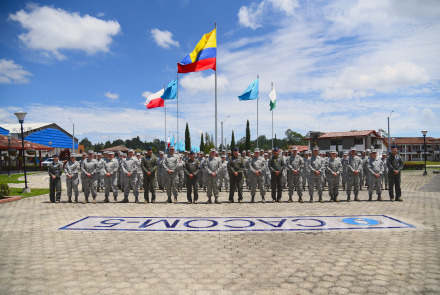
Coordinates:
<point>373,151</point>
<point>84,154</point>
<point>212,150</point>
<point>294,148</point>
<point>160,152</point>
<point>149,148</point>
<point>316,148</point>
<point>256,150</point>
<point>276,149</point>
<point>394,146</point>
<point>120,152</point>
<point>248,151</point>
<point>265,154</point>
<point>171,147</point>
<point>358,153</point>
<point>99,154</point>
<point>138,154</point>
<point>333,152</point>
<point>363,152</point>
<point>236,149</point>
<point>384,154</point>
<point>345,153</point>
<point>228,152</point>
<point>130,151</point>
<point>368,150</point>
<point>111,153</point>
<point>252,154</point>
<point>72,155</point>
<point>243,152</point>
<point>191,152</point>
<point>91,152</point>
<point>223,156</point>
<point>352,148</point>
<point>56,155</point>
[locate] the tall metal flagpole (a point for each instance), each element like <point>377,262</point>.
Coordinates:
<point>258,77</point>
<point>216,88</point>
<point>165,105</point>
<point>178,108</point>
<point>272,120</point>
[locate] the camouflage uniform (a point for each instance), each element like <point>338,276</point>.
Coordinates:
<point>111,166</point>
<point>81,163</point>
<point>129,165</point>
<point>384,177</point>
<point>316,164</point>
<point>212,165</point>
<point>333,166</point>
<point>276,164</point>
<point>353,164</point>
<point>200,177</point>
<point>394,163</point>
<point>362,173</point>
<point>160,173</point>
<point>100,184</point>
<point>72,169</point>
<point>91,167</point>
<point>120,173</point>
<point>374,166</point>
<point>149,164</point>
<point>236,164</point>
<point>223,175</point>
<point>170,163</point>
<point>305,176</point>
<point>344,172</point>
<point>55,169</point>
<point>140,178</point>
<point>257,164</point>
<point>181,173</point>
<point>266,175</point>
<point>192,167</point>
<point>294,180</point>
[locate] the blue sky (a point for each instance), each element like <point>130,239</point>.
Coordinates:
<point>335,65</point>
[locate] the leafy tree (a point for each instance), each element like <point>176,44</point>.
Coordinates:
<point>128,144</point>
<point>202,144</point>
<point>187,139</point>
<point>107,144</point>
<point>85,142</point>
<point>232,140</point>
<point>266,147</point>
<point>294,138</point>
<point>248,137</point>
<point>117,142</point>
<point>275,141</point>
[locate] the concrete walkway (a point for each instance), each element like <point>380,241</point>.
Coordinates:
<point>38,258</point>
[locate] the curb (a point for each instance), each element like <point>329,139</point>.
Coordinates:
<point>9,199</point>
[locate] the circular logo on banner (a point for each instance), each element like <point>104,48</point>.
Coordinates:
<point>361,221</point>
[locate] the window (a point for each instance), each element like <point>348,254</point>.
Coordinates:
<point>333,142</point>
<point>359,141</point>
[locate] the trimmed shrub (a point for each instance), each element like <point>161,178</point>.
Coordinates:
<point>413,166</point>
<point>4,190</point>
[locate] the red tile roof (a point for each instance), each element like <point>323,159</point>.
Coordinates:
<point>16,144</point>
<point>301,148</point>
<point>348,134</point>
<point>411,140</point>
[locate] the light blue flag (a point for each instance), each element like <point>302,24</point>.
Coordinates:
<point>251,91</point>
<point>182,146</point>
<point>172,141</point>
<point>171,91</point>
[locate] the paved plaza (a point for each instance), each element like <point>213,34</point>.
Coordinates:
<point>38,258</point>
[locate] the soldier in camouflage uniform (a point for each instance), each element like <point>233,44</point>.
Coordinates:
<point>236,168</point>
<point>333,170</point>
<point>245,171</point>
<point>161,173</point>
<point>140,175</point>
<point>149,165</point>
<point>202,171</point>
<point>257,167</point>
<point>344,170</point>
<point>354,166</point>
<point>170,163</point>
<point>266,173</point>
<point>120,175</point>
<point>100,160</point>
<point>111,177</point>
<point>55,171</point>
<point>384,177</point>
<point>316,168</point>
<point>181,173</point>
<point>276,167</point>
<point>130,174</point>
<point>375,171</point>
<point>192,169</point>
<point>212,166</point>
<point>223,174</point>
<point>72,169</point>
<point>84,158</point>
<point>364,159</point>
<point>295,167</point>
<point>305,174</point>
<point>91,171</point>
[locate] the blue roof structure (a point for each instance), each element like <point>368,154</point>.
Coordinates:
<point>4,131</point>
<point>58,138</point>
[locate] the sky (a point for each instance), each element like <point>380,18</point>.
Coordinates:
<point>335,66</point>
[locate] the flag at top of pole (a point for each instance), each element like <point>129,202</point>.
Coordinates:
<point>273,99</point>
<point>251,91</point>
<point>171,91</point>
<point>203,57</point>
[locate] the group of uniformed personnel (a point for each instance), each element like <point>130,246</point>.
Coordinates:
<point>260,170</point>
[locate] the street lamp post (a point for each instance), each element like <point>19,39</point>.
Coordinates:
<point>389,143</point>
<point>9,156</point>
<point>20,116</point>
<point>424,144</point>
<point>222,131</point>
<point>73,137</point>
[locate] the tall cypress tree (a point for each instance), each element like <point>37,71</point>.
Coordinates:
<point>232,141</point>
<point>275,141</point>
<point>248,137</point>
<point>187,139</point>
<point>202,144</point>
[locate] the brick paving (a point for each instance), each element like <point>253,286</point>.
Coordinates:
<point>39,259</point>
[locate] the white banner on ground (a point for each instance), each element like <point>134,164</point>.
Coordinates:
<point>233,224</point>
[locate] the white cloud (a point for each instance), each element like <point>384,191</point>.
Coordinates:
<point>11,72</point>
<point>100,14</point>
<point>111,95</point>
<point>163,38</point>
<point>196,82</point>
<point>54,29</point>
<point>146,94</point>
<point>337,93</point>
<point>252,16</point>
<point>287,6</point>
<point>412,111</point>
<point>429,117</point>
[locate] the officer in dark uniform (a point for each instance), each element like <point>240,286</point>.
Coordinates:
<point>149,166</point>
<point>395,165</point>
<point>235,169</point>
<point>55,170</point>
<point>276,167</point>
<point>192,168</point>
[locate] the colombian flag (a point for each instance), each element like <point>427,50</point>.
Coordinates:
<point>203,56</point>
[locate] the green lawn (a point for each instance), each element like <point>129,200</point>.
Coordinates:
<point>34,192</point>
<point>423,162</point>
<point>13,179</point>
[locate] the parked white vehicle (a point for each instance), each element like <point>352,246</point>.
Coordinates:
<point>47,162</point>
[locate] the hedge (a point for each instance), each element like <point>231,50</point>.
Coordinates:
<point>413,166</point>
<point>4,190</point>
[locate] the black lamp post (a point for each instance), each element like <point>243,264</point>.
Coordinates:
<point>9,156</point>
<point>424,143</point>
<point>20,117</point>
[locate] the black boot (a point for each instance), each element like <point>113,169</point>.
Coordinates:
<point>356,198</point>
<point>370,197</point>
<point>125,200</point>
<point>300,199</point>
<point>331,198</point>
<point>252,199</point>
<point>320,199</point>
<point>348,198</point>
<point>311,199</point>
<point>335,198</point>
<point>379,198</point>
<point>217,200</point>
<point>290,199</point>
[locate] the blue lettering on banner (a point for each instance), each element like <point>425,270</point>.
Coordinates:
<point>238,224</point>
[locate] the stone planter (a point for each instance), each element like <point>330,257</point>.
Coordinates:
<point>12,152</point>
<point>30,152</point>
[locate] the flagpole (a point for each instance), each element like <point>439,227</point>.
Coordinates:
<point>165,105</point>
<point>272,119</point>
<point>216,87</point>
<point>258,77</point>
<point>178,107</point>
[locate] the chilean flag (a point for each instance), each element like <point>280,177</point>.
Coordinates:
<point>155,100</point>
